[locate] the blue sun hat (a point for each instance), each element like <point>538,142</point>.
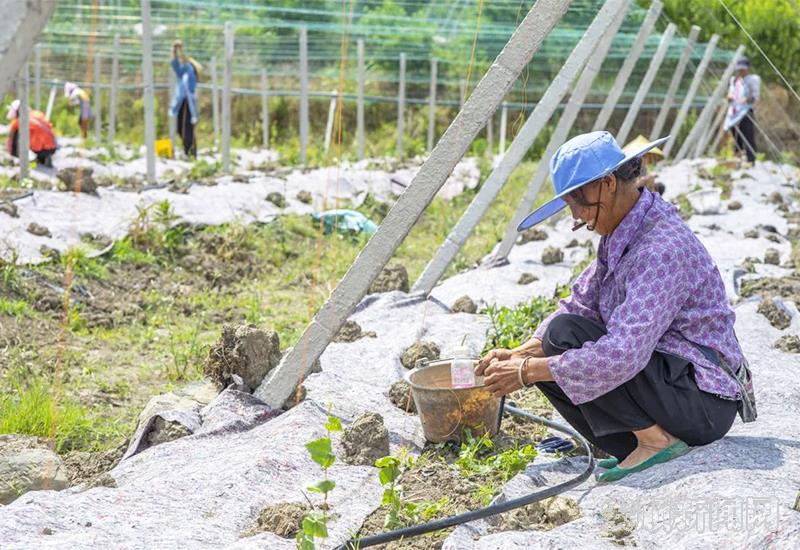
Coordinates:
<point>579,161</point>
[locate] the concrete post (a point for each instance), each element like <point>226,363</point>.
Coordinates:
<point>227,76</point>
<point>329,124</point>
<point>303,95</point>
<point>708,111</point>
<point>147,76</point>
<point>215,101</point>
<point>432,105</point>
<point>50,102</point>
<point>647,82</point>
<point>490,136</point>
<point>503,128</point>
<point>23,135</point>
<point>720,132</point>
<point>172,120</point>
<point>37,77</point>
<point>97,114</point>
<point>462,93</point>
<point>19,33</point>
<point>360,102</point>
<point>690,93</point>
<point>677,77</point>
<point>627,66</point>
<point>711,130</point>
<point>401,106</point>
<point>264,109</point>
<point>561,133</point>
<point>545,108</point>
<point>112,101</point>
<point>484,100</point>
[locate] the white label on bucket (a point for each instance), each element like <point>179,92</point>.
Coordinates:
<point>462,373</point>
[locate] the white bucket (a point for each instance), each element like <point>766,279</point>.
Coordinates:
<point>706,201</point>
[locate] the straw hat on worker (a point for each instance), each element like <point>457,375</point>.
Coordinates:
<point>642,358</point>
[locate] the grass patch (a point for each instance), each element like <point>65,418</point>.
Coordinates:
<point>513,326</point>
<point>15,308</point>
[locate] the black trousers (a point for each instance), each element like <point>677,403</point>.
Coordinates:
<point>663,393</point>
<point>186,129</point>
<point>744,135</point>
<point>43,157</point>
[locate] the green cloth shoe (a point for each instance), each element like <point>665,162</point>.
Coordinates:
<point>673,451</point>
<point>607,463</point>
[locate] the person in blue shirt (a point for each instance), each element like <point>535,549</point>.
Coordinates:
<point>743,92</point>
<point>184,100</point>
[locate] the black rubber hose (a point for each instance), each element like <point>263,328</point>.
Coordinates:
<point>492,509</point>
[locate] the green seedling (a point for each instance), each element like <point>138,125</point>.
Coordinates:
<point>315,523</point>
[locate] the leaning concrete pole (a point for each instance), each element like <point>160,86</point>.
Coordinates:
<point>503,128</point>
<point>702,143</point>
<point>545,108</point>
<point>37,77</point>
<point>484,100</point>
<point>627,66</point>
<point>303,38</point>
<point>360,102</point>
<point>23,133</point>
<point>677,77</point>
<point>432,106</point>
<point>708,111</point>
<point>647,82</point>
<point>690,93</point>
<point>215,101</point>
<point>147,76</point>
<point>23,21</point>
<point>558,137</point>
<point>98,119</point>
<point>227,76</point>
<point>401,106</point>
<point>112,102</point>
<point>714,147</point>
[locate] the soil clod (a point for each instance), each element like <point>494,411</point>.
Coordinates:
<point>619,528</point>
<point>751,234</point>
<point>543,515</point>
<point>85,467</point>
<point>400,396</point>
<point>284,519</point>
<point>78,179</point>
<point>365,440</point>
<point>527,278</point>
<point>243,350</point>
<point>164,431</point>
<point>9,208</point>
<point>572,244</point>
<point>420,351</point>
<point>734,205</point>
<point>772,256</point>
<point>775,198</point>
<point>277,199</point>
<point>789,343</point>
<point>351,331</point>
<point>464,305</point>
<point>552,255</point>
<point>532,234</point>
<point>392,277</point>
<point>777,316</point>
<point>38,230</point>
<point>305,197</point>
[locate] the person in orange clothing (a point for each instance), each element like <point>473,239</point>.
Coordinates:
<point>42,139</point>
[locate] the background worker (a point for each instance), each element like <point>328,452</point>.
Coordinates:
<point>184,100</point>
<point>42,140</point>
<point>80,97</point>
<point>743,94</point>
<point>649,161</point>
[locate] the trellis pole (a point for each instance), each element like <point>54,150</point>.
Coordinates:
<point>674,84</point>
<point>401,106</point>
<point>360,102</point>
<point>23,131</point>
<point>215,101</point>
<point>432,105</point>
<point>112,100</point>
<point>98,119</point>
<point>264,108</point>
<point>503,128</point>
<point>303,95</point>
<point>147,76</point>
<point>227,76</point>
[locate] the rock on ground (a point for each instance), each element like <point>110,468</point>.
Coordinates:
<point>391,277</point>
<point>772,256</point>
<point>552,255</point>
<point>9,208</point>
<point>38,230</point>
<point>245,351</point>
<point>277,199</point>
<point>419,351</point>
<point>464,305</point>
<point>78,178</point>
<point>734,205</point>
<point>305,197</point>
<point>28,464</point>
<point>527,278</point>
<point>400,396</point>
<point>365,440</point>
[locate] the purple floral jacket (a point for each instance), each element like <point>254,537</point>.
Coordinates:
<point>653,286</point>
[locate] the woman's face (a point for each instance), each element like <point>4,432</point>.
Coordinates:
<point>591,205</point>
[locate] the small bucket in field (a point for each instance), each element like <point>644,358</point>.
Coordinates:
<point>446,412</point>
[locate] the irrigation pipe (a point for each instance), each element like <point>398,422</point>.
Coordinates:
<point>492,509</point>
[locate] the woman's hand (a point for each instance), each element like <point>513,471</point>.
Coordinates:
<point>498,354</point>
<point>502,376</point>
